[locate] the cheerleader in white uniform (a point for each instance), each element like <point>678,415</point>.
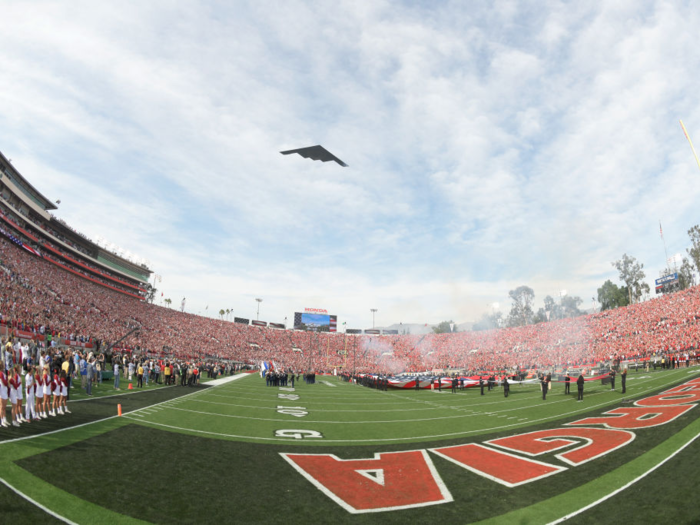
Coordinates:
<point>16,396</point>
<point>29,391</point>
<point>4,394</point>
<point>47,392</point>
<point>39,393</point>
<point>56,385</point>
<point>64,393</point>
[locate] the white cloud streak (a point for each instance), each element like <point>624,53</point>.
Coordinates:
<point>489,146</point>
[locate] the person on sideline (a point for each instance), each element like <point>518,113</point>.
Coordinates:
<point>115,369</point>
<point>579,385</point>
<point>29,391</point>
<point>4,395</point>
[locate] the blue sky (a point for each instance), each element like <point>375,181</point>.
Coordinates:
<point>490,144</point>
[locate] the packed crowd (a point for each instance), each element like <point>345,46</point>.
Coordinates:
<point>59,254</point>
<point>40,298</point>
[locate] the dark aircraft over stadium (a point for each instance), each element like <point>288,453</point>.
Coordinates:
<point>315,153</point>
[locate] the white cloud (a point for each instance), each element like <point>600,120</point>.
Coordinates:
<point>488,147</point>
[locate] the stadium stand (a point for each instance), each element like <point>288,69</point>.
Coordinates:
<point>39,297</point>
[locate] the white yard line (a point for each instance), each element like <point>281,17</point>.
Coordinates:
<point>131,413</point>
<point>106,418</point>
<point>411,438</point>
<point>626,486</point>
<point>36,503</point>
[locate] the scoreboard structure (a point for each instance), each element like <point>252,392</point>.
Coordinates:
<point>667,283</point>
<point>315,320</point>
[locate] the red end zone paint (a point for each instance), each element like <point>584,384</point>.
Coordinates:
<point>408,479</point>
<point>636,417</point>
<point>498,466</point>
<point>671,398</point>
<point>598,442</point>
<point>401,480</point>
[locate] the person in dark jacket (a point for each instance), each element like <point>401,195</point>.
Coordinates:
<point>579,385</point>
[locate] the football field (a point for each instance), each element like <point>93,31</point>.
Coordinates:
<point>236,450</point>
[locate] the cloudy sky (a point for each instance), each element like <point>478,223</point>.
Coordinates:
<point>490,144</point>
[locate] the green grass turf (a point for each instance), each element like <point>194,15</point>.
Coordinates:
<point>87,410</point>
<point>353,415</point>
<point>18,511</point>
<point>148,472</point>
<point>664,496</point>
<point>106,388</point>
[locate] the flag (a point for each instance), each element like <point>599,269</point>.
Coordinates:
<point>661,230</point>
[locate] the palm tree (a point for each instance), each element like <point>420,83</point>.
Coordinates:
<point>221,314</point>
<point>168,302</point>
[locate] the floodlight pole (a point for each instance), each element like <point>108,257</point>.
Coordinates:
<point>257,318</point>
<point>374,311</point>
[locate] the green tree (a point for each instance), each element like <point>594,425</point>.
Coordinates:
<point>444,327</point>
<point>694,250</point>
<point>551,309</point>
<point>540,316</point>
<point>150,293</point>
<point>221,313</point>
<point>168,302</point>
<point>686,275</point>
<point>521,313</point>
<point>632,274</point>
<point>570,304</point>
<point>612,296</point>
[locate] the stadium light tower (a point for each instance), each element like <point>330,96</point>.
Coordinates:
<point>259,301</point>
<point>374,311</point>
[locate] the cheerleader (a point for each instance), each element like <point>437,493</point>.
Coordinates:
<point>39,394</point>
<point>55,405</point>
<point>4,393</point>
<point>64,393</point>
<point>29,392</point>
<point>16,396</point>
<point>46,379</point>
<point>20,396</point>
